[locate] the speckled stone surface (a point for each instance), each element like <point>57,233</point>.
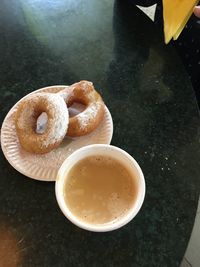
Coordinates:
<point>155,119</point>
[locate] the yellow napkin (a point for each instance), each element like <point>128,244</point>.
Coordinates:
<point>176,13</point>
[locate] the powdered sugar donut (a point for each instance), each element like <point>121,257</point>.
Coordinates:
<point>26,120</point>
<point>88,120</point>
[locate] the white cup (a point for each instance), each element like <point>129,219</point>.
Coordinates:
<point>100,150</point>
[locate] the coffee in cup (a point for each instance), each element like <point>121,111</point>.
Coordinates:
<point>100,187</point>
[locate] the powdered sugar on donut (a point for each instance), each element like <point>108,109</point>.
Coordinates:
<point>66,93</point>
<point>60,120</point>
<point>23,119</point>
<point>85,117</point>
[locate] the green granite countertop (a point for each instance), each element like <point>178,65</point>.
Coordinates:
<point>155,119</point>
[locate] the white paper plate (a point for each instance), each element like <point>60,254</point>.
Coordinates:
<point>45,167</point>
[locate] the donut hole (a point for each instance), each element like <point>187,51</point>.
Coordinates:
<point>41,123</point>
<point>75,109</point>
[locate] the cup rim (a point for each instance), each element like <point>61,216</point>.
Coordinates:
<point>107,226</point>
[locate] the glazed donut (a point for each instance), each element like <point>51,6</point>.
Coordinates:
<point>88,120</point>
<point>26,119</point>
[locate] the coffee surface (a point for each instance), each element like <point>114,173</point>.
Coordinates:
<point>99,190</point>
